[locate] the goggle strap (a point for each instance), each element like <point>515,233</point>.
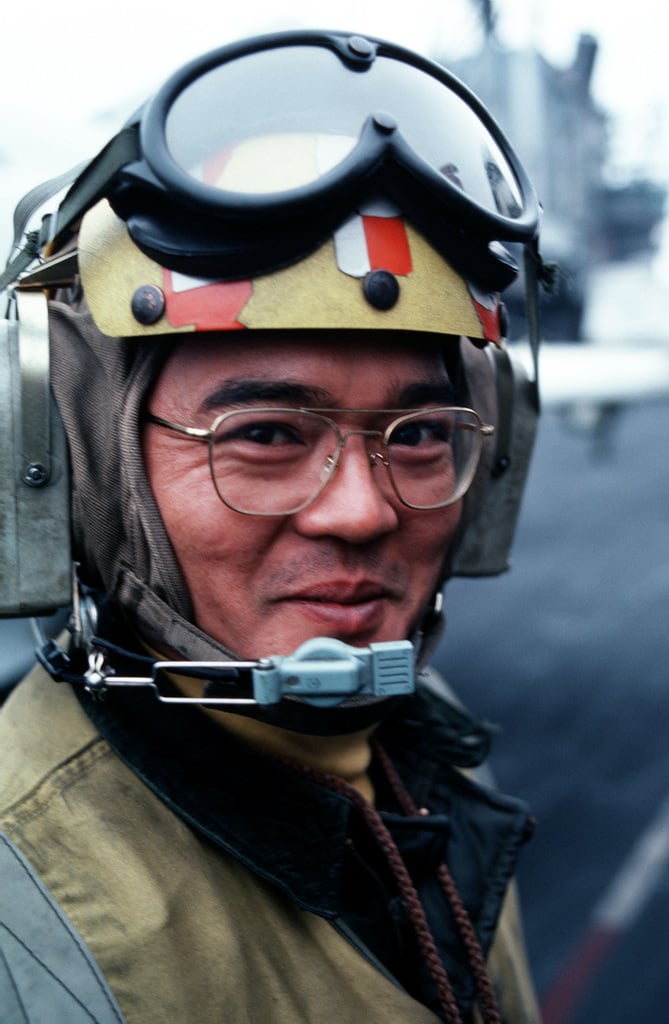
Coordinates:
<point>92,184</point>
<point>37,197</point>
<point>504,385</point>
<point>24,257</point>
<point>535,272</point>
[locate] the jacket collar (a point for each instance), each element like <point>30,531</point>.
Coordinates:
<point>289,829</point>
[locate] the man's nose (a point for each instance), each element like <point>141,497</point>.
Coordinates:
<point>357,503</point>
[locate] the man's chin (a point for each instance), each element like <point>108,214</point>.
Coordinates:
<point>293,714</point>
<point>286,643</point>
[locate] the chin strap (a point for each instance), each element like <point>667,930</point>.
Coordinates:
<point>323,672</point>
<point>538,272</point>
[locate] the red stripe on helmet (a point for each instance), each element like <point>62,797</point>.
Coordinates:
<point>489,318</point>
<point>207,307</point>
<point>387,244</point>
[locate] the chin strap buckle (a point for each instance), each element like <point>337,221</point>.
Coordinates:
<point>325,672</point>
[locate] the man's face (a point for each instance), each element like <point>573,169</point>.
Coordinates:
<point>356,565</point>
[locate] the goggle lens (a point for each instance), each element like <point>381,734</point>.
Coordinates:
<point>283,118</point>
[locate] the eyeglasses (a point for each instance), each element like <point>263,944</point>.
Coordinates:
<point>276,462</point>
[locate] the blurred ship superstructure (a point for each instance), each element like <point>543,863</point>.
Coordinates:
<point>562,137</point>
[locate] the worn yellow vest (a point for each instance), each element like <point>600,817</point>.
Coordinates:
<point>183,933</point>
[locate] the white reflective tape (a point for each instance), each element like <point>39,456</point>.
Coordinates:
<point>351,248</point>
<point>185,283</point>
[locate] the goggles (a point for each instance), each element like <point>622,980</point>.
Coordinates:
<point>250,157</point>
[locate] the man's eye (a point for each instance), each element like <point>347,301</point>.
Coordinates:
<point>266,432</point>
<point>422,432</point>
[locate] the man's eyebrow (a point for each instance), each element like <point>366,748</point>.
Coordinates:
<point>246,391</point>
<point>420,393</point>
<point>237,392</point>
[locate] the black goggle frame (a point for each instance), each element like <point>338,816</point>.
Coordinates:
<point>190,226</point>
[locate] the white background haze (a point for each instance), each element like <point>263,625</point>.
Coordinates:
<point>70,73</point>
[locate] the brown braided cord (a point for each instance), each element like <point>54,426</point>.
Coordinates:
<point>408,892</point>
<point>484,990</point>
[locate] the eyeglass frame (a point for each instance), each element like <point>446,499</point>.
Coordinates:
<point>207,434</point>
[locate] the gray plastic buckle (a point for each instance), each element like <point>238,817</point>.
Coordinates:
<point>325,672</point>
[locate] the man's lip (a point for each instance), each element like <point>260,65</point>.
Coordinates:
<point>346,612</point>
<point>345,593</point>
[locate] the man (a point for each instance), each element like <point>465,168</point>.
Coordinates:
<point>272,306</point>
